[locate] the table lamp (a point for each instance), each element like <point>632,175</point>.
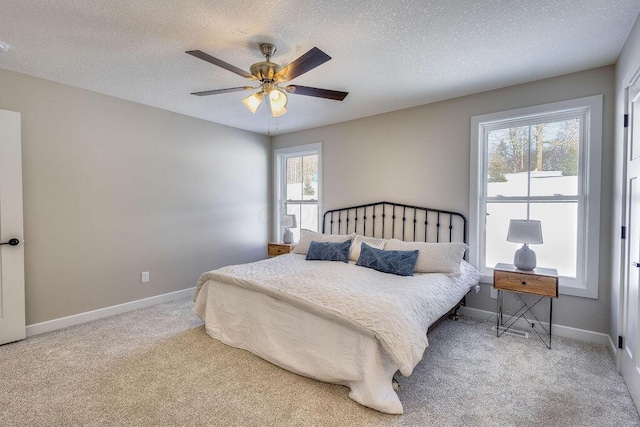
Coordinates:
<point>288,221</point>
<point>527,231</point>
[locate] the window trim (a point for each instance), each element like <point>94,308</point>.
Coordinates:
<point>591,156</point>
<point>279,178</point>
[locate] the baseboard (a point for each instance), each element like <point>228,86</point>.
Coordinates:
<point>76,319</point>
<point>558,330</point>
<point>613,349</point>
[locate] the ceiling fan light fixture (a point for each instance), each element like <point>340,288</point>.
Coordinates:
<point>278,102</point>
<point>271,75</point>
<point>252,102</point>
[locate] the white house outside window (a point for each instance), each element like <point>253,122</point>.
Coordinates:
<point>539,163</point>
<point>298,186</point>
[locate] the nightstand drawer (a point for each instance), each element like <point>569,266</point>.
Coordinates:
<point>528,283</point>
<point>275,249</point>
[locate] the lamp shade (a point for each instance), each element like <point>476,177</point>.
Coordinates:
<point>288,221</point>
<point>252,102</point>
<point>278,101</point>
<point>525,231</point>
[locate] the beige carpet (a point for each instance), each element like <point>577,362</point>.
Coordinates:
<point>157,366</point>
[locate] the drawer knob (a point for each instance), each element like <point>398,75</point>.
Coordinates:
<point>524,283</point>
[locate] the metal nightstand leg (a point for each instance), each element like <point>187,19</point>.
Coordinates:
<point>498,313</point>
<point>550,318</point>
<point>521,313</point>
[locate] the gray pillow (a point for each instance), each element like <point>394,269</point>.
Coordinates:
<point>329,251</point>
<point>394,262</point>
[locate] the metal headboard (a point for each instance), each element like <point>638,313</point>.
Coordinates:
<point>393,220</point>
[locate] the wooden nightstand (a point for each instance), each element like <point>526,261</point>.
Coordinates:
<point>542,282</point>
<point>275,249</point>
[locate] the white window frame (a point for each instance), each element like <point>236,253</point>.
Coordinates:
<point>279,180</point>
<point>589,172</point>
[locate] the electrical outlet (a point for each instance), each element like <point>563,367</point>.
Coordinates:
<point>494,293</point>
<point>145,276</point>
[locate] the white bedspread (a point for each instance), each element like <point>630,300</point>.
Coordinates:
<point>396,310</point>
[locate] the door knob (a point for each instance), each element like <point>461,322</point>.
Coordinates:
<point>11,242</point>
<point>636,264</point>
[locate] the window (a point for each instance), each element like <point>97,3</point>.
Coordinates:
<point>297,187</point>
<point>539,163</point>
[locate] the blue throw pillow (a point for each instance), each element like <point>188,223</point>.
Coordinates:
<point>395,262</point>
<point>329,251</point>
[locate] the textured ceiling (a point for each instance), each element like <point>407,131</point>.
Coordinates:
<point>387,55</point>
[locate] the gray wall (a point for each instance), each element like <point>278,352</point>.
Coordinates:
<point>113,188</point>
<point>627,66</point>
<point>421,156</point>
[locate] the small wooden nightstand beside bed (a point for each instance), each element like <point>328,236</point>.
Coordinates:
<point>542,282</point>
<point>275,249</point>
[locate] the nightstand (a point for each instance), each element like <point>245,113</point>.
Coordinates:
<point>275,249</point>
<point>541,282</point>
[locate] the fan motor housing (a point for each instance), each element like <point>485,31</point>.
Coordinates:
<point>265,71</point>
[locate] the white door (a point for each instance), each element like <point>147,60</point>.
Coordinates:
<point>631,327</point>
<point>12,317</point>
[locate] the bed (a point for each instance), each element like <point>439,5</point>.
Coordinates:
<point>339,322</point>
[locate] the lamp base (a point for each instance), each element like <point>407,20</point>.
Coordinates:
<point>287,237</point>
<point>525,258</point>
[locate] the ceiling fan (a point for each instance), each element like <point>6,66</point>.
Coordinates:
<point>271,76</point>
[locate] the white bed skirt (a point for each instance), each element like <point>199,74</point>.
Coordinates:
<point>300,342</point>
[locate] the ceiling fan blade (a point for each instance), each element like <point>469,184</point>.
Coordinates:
<point>306,62</point>
<point>220,63</point>
<point>319,93</point>
<point>218,91</point>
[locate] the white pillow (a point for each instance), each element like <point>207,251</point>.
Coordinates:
<point>356,246</point>
<point>337,238</point>
<point>306,237</point>
<point>433,257</point>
